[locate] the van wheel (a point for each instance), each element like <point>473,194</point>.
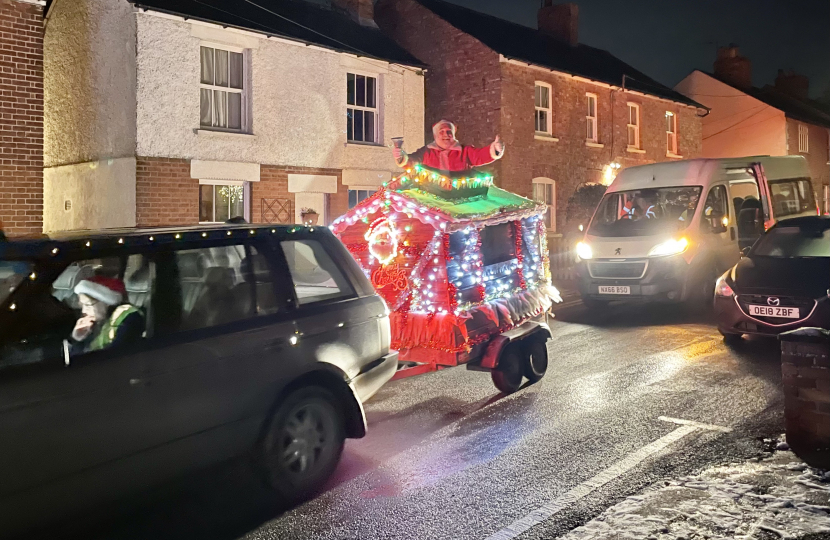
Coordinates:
<point>303,442</point>
<point>536,359</point>
<point>508,374</point>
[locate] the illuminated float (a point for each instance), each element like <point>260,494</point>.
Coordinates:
<point>464,269</point>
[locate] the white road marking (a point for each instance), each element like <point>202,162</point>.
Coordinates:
<point>710,427</point>
<point>618,469</point>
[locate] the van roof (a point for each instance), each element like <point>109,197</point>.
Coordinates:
<point>704,171</point>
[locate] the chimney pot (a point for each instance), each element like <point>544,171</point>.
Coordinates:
<point>560,21</point>
<point>733,68</point>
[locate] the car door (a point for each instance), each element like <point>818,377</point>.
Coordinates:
<point>717,228</point>
<point>67,414</point>
<point>225,351</point>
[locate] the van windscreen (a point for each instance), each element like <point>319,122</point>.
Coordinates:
<point>645,212</point>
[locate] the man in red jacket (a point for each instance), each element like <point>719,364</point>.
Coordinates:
<point>445,153</point>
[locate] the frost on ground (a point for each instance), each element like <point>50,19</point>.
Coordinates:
<point>778,497</point>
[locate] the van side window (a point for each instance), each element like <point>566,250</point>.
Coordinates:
<point>790,197</point>
<point>315,276</point>
<point>223,284</point>
<point>716,207</point>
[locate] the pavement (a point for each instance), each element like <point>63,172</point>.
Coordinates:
<point>636,400</point>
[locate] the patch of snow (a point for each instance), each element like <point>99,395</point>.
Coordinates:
<point>777,495</point>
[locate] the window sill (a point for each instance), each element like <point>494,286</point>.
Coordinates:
<point>369,144</point>
<point>675,156</point>
<point>634,150</point>
<point>220,133</point>
<point>592,144</point>
<point>545,137</point>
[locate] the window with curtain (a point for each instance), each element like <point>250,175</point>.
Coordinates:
<point>362,108</point>
<point>544,191</point>
<point>543,109</point>
<point>591,118</point>
<point>633,125</point>
<point>671,133</point>
<point>222,89</point>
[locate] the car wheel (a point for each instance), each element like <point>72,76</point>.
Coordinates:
<point>536,359</point>
<point>730,338</point>
<point>303,442</point>
<point>508,374</point>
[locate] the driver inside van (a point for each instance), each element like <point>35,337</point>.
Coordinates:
<point>645,207</point>
<point>106,321</point>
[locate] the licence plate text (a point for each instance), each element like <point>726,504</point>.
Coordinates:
<point>771,311</point>
<point>614,289</point>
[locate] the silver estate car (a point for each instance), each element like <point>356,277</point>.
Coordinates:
<point>128,357</point>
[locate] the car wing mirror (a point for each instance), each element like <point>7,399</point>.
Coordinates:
<point>745,251</point>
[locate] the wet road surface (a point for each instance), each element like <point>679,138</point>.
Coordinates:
<point>448,457</point>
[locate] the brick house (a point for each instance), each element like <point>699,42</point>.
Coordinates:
<point>568,113</point>
<point>21,116</point>
<point>775,120</point>
<point>176,112</point>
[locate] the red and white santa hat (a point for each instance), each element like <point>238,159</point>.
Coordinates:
<point>110,291</point>
<point>440,123</point>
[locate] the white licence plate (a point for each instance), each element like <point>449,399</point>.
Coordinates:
<point>770,311</point>
<point>614,289</point>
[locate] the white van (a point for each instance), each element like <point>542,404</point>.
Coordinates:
<point>666,231</point>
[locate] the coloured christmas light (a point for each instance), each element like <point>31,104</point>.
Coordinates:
<point>420,175</point>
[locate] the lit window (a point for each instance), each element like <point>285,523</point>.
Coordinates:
<point>671,133</point>
<point>222,96</point>
<point>633,125</point>
<point>544,191</point>
<point>803,139</point>
<point>544,115</point>
<point>591,118</point>
<point>220,202</point>
<point>356,196</point>
<point>362,108</point>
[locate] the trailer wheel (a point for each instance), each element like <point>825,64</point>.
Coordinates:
<point>536,358</point>
<point>508,374</point>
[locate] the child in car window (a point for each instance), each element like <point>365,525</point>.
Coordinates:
<point>106,321</point>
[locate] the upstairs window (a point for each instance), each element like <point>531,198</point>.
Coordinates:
<point>671,133</point>
<point>803,139</point>
<point>362,108</point>
<point>591,118</point>
<point>221,89</point>
<point>544,114</point>
<point>633,125</point>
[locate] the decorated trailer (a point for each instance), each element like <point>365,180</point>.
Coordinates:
<point>464,269</point>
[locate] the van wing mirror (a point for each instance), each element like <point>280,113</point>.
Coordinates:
<point>745,251</point>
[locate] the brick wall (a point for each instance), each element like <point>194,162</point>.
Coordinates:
<point>21,117</point>
<point>165,193</point>
<point>805,368</point>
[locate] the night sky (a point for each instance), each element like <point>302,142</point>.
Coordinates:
<point>667,39</point>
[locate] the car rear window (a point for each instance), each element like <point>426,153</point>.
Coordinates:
<point>793,242</point>
<point>315,276</point>
<point>12,274</point>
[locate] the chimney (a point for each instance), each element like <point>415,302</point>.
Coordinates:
<point>560,21</point>
<point>733,68</point>
<point>793,84</point>
<point>362,11</point>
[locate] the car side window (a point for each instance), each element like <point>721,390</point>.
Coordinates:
<point>716,208</point>
<point>315,276</point>
<point>224,284</point>
<point>92,305</point>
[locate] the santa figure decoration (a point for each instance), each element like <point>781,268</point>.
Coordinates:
<point>445,153</point>
<point>383,240</point>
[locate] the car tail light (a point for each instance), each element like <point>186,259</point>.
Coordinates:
<point>722,288</point>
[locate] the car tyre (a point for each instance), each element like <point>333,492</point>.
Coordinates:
<point>508,374</point>
<point>536,359</point>
<point>303,442</point>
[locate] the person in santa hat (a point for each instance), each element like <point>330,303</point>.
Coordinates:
<point>106,320</point>
<point>445,153</point>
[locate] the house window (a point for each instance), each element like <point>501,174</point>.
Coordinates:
<point>543,109</point>
<point>803,139</point>
<point>671,133</point>
<point>633,125</point>
<point>222,89</point>
<point>221,201</point>
<point>826,199</point>
<point>356,196</point>
<point>591,117</point>
<point>544,191</point>
<point>362,108</point>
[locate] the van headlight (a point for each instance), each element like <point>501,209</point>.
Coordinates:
<point>583,251</point>
<point>669,247</point>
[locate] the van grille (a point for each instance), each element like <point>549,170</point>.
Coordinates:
<point>617,270</point>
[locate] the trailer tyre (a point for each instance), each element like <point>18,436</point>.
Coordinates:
<point>508,374</point>
<point>536,359</point>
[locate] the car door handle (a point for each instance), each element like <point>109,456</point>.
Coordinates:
<point>732,233</point>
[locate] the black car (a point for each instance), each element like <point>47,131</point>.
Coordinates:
<point>781,284</point>
<point>128,357</point>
